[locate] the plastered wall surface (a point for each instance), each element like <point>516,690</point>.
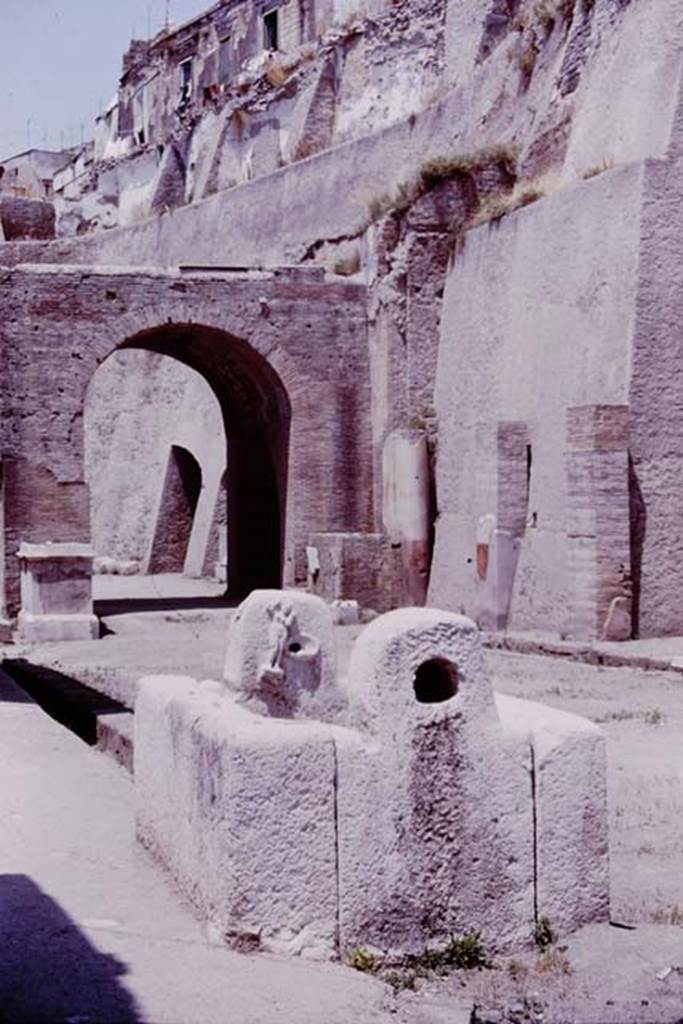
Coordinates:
<point>538,316</point>
<point>138,405</point>
<point>656,424</point>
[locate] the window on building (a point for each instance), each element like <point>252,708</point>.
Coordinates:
<point>139,117</point>
<point>270,30</point>
<point>224,60</point>
<point>185,68</point>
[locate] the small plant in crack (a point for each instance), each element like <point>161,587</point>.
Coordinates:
<point>544,933</point>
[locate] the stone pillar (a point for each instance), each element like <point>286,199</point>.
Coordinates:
<point>514,475</point>
<point>499,537</point>
<point>56,593</point>
<point>598,541</point>
<point>406,506</point>
<point>434,808</point>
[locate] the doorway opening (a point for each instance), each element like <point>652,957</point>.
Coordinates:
<point>186,440</point>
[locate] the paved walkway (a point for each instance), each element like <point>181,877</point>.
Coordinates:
<point>91,930</point>
<point>660,654</point>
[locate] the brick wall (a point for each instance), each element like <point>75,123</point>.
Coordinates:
<point>598,521</point>
<point>286,354</point>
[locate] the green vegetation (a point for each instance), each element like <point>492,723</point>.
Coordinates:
<point>347,266</point>
<point>463,952</point>
<point>554,961</point>
<point>364,961</point>
<point>668,915</point>
<point>436,170</point>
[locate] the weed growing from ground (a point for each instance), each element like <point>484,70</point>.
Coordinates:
<point>363,960</point>
<point>400,981</point>
<point>652,717</point>
<point>554,961</point>
<point>517,970</point>
<point>463,952</point>
<point>668,915</point>
<point>544,935</point>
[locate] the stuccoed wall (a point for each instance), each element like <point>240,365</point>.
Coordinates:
<point>656,428</point>
<point>138,405</point>
<point>604,87</point>
<point>538,317</point>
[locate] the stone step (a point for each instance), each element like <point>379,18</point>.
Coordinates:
<point>98,720</point>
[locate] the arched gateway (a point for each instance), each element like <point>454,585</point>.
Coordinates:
<point>257,416</point>
<point>285,352</point>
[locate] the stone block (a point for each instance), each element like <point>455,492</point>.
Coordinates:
<point>280,659</point>
<point>242,811</point>
<point>570,788</point>
<point>56,593</point>
<point>435,811</point>
<point>345,613</point>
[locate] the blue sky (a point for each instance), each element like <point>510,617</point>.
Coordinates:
<point>60,63</point>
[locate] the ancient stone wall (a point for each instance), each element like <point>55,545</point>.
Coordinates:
<point>538,316</point>
<point>538,312</point>
<point>292,382</point>
<point>225,126</point>
<point>656,422</point>
<point>572,134</point>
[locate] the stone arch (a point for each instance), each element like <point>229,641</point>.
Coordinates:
<point>256,411</point>
<point>285,351</point>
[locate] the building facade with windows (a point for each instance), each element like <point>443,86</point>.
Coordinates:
<point>174,77</point>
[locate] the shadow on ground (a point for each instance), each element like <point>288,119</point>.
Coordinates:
<point>11,694</point>
<point>49,971</point>
<point>125,606</point>
<point>65,699</point>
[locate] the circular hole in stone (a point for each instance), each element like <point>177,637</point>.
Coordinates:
<point>435,680</point>
<point>294,648</point>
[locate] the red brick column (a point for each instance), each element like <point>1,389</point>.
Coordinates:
<point>598,540</point>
